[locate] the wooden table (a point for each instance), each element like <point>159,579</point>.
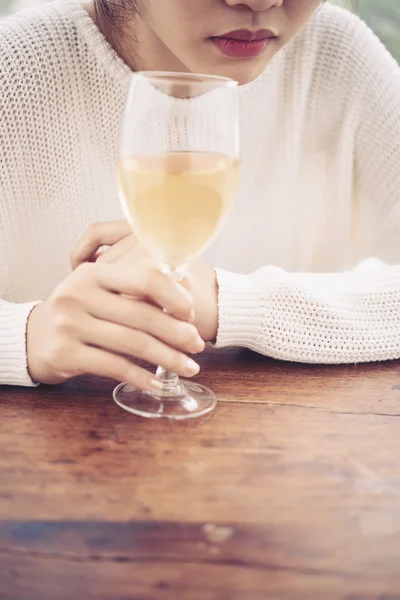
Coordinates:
<point>289,490</point>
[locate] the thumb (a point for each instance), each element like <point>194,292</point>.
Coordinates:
<point>96,236</point>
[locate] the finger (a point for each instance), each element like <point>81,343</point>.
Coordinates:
<point>147,282</point>
<point>137,344</point>
<point>188,283</point>
<point>99,362</point>
<point>118,251</point>
<point>97,235</point>
<point>136,314</point>
<point>97,255</point>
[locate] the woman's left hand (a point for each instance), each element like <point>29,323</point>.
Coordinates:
<point>114,242</point>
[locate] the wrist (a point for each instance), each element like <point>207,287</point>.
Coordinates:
<point>31,333</point>
<point>35,336</point>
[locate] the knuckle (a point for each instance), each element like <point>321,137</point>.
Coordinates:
<point>67,324</point>
<point>62,302</point>
<point>62,322</point>
<point>66,297</point>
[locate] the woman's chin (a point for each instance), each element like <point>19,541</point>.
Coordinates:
<point>247,76</point>
<point>243,72</point>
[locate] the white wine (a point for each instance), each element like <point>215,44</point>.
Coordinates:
<point>176,202</point>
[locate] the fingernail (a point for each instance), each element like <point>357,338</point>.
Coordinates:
<point>199,347</point>
<point>191,367</point>
<point>156,384</point>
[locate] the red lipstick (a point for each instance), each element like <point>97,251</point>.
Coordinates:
<point>244,43</point>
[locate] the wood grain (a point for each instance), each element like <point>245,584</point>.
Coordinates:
<point>291,489</point>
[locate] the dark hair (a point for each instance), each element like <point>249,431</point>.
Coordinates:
<point>113,13</point>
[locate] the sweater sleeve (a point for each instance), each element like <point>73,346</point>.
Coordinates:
<point>344,317</point>
<point>13,359</point>
<point>312,317</point>
<point>376,77</point>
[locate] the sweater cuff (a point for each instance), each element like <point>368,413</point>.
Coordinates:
<point>240,320</point>
<point>13,358</point>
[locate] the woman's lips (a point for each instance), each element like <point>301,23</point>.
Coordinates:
<point>243,43</point>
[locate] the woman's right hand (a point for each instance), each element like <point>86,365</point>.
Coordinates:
<point>103,315</point>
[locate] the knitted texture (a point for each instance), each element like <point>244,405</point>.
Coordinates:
<point>315,318</point>
<point>319,191</point>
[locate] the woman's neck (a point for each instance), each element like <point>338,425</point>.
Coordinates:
<point>135,43</point>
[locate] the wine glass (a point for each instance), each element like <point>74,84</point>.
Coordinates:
<point>178,173</point>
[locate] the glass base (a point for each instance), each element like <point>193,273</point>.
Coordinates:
<point>193,400</point>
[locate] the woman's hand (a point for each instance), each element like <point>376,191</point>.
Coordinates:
<point>103,315</point>
<point>97,235</point>
<point>123,248</point>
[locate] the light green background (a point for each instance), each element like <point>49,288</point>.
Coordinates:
<point>384,18</point>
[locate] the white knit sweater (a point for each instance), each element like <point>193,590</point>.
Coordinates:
<point>320,191</point>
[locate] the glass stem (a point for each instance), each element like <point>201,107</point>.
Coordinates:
<point>171,383</point>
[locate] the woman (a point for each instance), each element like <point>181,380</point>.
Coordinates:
<point>308,264</point>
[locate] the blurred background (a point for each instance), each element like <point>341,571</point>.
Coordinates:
<point>382,15</point>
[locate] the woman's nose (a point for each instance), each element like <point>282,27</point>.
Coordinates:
<point>254,5</point>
